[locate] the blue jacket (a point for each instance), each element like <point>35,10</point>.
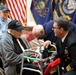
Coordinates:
<point>3,26</point>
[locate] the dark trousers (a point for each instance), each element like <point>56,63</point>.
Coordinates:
<point>1,64</point>
<point>70,73</point>
<point>67,73</point>
<point>27,72</point>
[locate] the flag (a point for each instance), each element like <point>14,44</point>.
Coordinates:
<point>67,9</point>
<point>41,10</point>
<point>17,10</point>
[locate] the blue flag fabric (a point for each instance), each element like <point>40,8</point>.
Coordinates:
<point>41,11</point>
<point>67,9</point>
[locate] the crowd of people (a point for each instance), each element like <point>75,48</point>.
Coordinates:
<point>60,31</point>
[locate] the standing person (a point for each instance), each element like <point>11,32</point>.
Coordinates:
<point>4,20</point>
<point>66,48</point>
<point>12,51</point>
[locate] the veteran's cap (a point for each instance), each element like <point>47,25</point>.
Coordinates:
<point>4,8</point>
<point>15,25</point>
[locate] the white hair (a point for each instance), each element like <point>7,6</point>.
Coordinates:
<point>38,28</point>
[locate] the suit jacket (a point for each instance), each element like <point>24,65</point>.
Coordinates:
<point>9,56</point>
<point>68,45</point>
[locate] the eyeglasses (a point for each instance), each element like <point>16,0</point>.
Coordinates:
<point>55,28</point>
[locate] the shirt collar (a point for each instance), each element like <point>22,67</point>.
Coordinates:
<point>3,20</point>
<point>64,37</point>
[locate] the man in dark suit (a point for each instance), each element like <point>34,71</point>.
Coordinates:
<point>45,31</point>
<point>66,47</point>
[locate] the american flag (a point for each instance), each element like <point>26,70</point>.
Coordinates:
<point>17,10</point>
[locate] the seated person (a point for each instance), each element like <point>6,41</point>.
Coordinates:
<point>12,48</point>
